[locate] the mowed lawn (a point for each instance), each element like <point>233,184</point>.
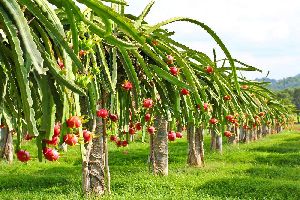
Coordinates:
<point>265,169</point>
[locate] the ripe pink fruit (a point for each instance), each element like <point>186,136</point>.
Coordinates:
<point>103,113</point>
<point>205,106</point>
<point>82,53</point>
<point>213,121</point>
<point>113,138</point>
<point>74,122</point>
<point>54,141</point>
<point>87,135</point>
<point>174,71</point>
<point>131,125</point>
<point>60,63</point>
<point>147,117</point>
<point>28,136</point>
<point>113,117</point>
<point>230,118</point>
<point>119,143</point>
<point>151,130</point>
<point>138,126</point>
<point>227,134</point>
<point>261,114</point>
<point>172,136</point>
<point>124,143</point>
<point>154,42</point>
<point>50,154</point>
<point>127,85</point>
<point>227,97</point>
<point>209,69</point>
<point>23,155</point>
<point>148,103</point>
<point>131,131</point>
<point>245,126</point>
<point>185,92</point>
<point>244,87</point>
<point>70,139</point>
<point>56,129</point>
<point>46,149</point>
<point>179,135</point>
<point>169,59</point>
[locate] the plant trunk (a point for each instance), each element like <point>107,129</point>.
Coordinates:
<point>279,128</point>
<point>199,143</point>
<point>269,129</point>
<point>6,145</point>
<point>219,144</point>
<point>259,132</point>
<point>264,130</point>
<point>254,134</point>
<point>93,164</point>
<point>273,130</point>
<point>194,158</point>
<point>250,134</point>
<point>152,164</point>
<point>237,133</point>
<point>161,147</point>
<point>242,134</point>
<point>105,151</point>
<point>247,136</point>
<point>235,138</point>
<point>3,135</point>
<point>213,144</point>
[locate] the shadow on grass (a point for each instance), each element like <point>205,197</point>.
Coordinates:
<point>59,170</point>
<point>178,151</point>
<point>281,154</point>
<point>31,182</point>
<point>124,156</point>
<point>48,180</point>
<point>285,147</point>
<point>250,188</point>
<point>297,138</point>
<point>138,152</point>
<point>274,172</point>
<point>279,159</point>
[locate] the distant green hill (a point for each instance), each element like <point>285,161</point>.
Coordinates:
<point>290,82</point>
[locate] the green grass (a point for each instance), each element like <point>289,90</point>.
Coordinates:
<point>265,169</point>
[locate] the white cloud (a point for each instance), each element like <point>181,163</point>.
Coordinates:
<point>254,20</point>
<point>279,67</point>
<point>263,33</point>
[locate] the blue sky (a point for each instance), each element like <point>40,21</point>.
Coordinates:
<point>262,33</point>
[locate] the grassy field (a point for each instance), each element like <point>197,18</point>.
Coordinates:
<point>265,169</point>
